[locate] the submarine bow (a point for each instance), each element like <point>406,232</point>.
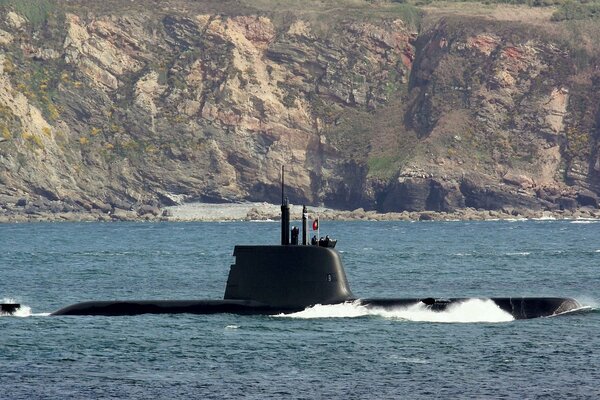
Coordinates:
<point>518,307</point>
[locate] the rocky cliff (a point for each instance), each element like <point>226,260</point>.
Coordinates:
<point>125,106</point>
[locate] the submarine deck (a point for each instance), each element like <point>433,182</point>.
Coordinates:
<point>137,307</point>
<point>518,307</point>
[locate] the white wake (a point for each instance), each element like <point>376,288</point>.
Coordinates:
<point>22,311</point>
<point>472,310</point>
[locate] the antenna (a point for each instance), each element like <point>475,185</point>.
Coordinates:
<point>285,212</point>
<point>304,227</point>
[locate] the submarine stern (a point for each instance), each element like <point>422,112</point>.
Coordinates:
<point>9,308</point>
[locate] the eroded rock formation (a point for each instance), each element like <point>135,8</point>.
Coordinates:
<point>109,112</point>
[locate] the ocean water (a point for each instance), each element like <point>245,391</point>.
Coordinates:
<point>341,351</point>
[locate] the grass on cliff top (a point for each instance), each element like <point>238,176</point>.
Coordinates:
<point>35,11</point>
<point>530,11</point>
<point>320,12</point>
<point>339,9</point>
<point>407,10</point>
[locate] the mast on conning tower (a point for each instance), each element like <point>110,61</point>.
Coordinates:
<point>285,212</point>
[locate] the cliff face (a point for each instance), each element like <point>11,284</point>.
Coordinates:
<point>499,114</point>
<point>104,111</point>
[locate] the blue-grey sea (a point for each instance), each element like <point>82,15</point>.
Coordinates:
<point>328,352</point>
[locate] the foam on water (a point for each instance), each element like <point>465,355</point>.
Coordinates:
<point>472,310</point>
<point>545,218</point>
<point>22,311</point>
<point>588,302</point>
<point>580,310</point>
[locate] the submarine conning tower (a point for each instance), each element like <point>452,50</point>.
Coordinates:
<point>290,275</point>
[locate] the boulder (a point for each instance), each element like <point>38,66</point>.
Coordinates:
<point>5,39</point>
<point>55,207</point>
<point>31,209</point>
<point>14,20</point>
<point>84,204</point>
<point>147,209</point>
<point>522,181</point>
<point>68,216</point>
<point>67,208</point>
<point>104,207</point>
<point>116,202</point>
<point>123,215</point>
<point>47,193</point>
<point>426,216</point>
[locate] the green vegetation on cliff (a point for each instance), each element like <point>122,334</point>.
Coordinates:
<point>35,11</point>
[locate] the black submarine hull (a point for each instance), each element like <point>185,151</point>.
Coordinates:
<point>518,307</point>
<point>138,307</point>
<point>9,308</point>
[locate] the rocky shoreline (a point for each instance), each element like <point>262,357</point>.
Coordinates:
<point>206,212</point>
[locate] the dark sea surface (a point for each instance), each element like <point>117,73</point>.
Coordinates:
<point>327,352</point>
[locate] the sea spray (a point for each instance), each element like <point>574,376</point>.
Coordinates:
<point>22,311</point>
<point>472,310</point>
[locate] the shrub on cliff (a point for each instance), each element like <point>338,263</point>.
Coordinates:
<point>36,11</point>
<point>572,10</point>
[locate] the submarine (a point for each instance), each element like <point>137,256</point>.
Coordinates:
<point>292,276</point>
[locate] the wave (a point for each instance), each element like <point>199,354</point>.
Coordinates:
<point>585,221</point>
<point>580,310</point>
<point>469,311</point>
<point>408,360</point>
<point>545,218</point>
<point>509,254</point>
<point>589,302</point>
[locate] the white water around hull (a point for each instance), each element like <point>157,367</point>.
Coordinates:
<point>22,311</point>
<point>469,311</point>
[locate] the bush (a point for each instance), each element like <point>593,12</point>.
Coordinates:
<point>36,11</point>
<point>571,10</point>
